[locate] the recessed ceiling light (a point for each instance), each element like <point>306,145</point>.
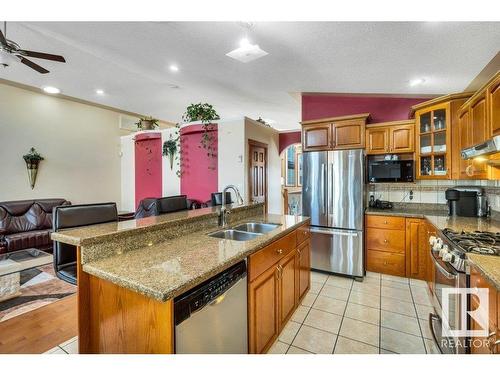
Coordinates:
<point>99,92</point>
<point>417,81</point>
<point>51,90</point>
<point>174,68</point>
<point>244,42</point>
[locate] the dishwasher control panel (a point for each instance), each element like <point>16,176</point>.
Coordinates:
<point>203,294</point>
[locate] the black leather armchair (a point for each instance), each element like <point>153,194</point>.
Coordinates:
<point>217,199</point>
<point>159,206</point>
<point>66,217</point>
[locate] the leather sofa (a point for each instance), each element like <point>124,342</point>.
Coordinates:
<point>27,224</point>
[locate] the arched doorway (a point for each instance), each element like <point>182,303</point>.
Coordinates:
<point>291,179</point>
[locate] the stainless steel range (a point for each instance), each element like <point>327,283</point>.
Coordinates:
<point>449,252</point>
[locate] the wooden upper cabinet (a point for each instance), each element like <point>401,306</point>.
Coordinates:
<point>479,124</point>
<point>316,137</point>
<point>464,140</point>
<point>377,140</point>
<point>348,134</point>
<point>436,137</point>
<point>493,100</point>
<point>401,138</point>
<point>390,137</point>
<point>334,133</point>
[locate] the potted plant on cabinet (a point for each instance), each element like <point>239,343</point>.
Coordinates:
<point>206,114</point>
<point>147,123</point>
<point>32,159</point>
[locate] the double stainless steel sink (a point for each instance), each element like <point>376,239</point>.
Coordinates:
<point>245,231</point>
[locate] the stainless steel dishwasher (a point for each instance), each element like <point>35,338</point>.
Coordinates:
<point>212,317</point>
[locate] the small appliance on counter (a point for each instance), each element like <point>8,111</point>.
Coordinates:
<point>390,168</point>
<point>379,204</point>
<point>467,201</point>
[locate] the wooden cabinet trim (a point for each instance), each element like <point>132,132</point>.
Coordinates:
<point>360,116</point>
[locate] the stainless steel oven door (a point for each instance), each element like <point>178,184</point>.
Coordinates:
<point>445,276</point>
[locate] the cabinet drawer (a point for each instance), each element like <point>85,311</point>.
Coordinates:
<point>385,222</point>
<point>383,262</point>
<point>302,233</point>
<point>392,241</point>
<point>266,257</point>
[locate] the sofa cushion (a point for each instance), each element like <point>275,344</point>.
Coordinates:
<point>27,215</point>
<point>24,240</point>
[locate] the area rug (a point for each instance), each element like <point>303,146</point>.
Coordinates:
<point>39,287</point>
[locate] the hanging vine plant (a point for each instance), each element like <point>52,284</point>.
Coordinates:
<point>206,114</point>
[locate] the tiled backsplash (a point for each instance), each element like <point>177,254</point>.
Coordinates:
<point>431,191</point>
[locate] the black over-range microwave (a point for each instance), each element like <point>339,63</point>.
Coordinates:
<point>390,168</point>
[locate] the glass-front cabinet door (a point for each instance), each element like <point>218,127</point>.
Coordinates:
<point>433,142</point>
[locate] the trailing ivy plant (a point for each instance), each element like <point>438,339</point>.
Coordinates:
<point>170,149</point>
<point>206,114</point>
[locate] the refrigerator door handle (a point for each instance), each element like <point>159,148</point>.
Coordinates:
<point>335,232</point>
<point>323,190</point>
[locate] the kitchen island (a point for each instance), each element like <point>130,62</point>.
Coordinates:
<point>130,272</point>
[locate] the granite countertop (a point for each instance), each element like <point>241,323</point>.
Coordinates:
<point>92,234</point>
<point>167,269</point>
<point>405,212</point>
<point>488,265</point>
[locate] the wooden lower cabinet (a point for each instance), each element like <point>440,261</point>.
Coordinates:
<point>303,269</point>
<point>417,248</point>
<point>275,293</point>
<point>263,310</point>
<point>490,344</point>
<point>287,282</point>
<point>398,246</point>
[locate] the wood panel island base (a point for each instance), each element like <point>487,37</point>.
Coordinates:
<point>125,293</point>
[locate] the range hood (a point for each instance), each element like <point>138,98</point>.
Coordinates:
<point>491,146</point>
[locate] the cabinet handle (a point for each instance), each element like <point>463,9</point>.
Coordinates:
<point>385,221</point>
<point>279,251</point>
<point>385,241</point>
<point>279,272</point>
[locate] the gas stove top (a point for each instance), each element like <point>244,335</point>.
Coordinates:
<point>453,247</point>
<point>487,243</point>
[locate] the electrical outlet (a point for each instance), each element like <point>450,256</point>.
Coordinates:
<point>411,195</point>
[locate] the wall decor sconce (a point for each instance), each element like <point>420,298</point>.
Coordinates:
<point>32,159</point>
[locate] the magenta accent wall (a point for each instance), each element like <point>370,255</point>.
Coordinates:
<point>199,177</point>
<point>148,169</point>
<point>287,139</point>
<point>382,109</point>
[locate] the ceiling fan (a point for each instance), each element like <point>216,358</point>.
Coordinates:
<point>12,52</point>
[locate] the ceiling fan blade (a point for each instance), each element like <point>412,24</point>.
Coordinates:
<point>41,55</point>
<point>3,41</point>
<point>32,65</point>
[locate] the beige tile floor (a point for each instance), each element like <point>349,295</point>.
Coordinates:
<point>381,315</point>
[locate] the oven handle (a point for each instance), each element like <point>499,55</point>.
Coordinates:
<point>441,269</point>
<point>434,318</point>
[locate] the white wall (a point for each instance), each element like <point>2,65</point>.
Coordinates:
<point>230,155</point>
<point>80,143</point>
<point>270,136</point>
<point>170,179</point>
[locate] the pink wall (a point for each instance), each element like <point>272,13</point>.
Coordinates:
<point>199,177</point>
<point>382,109</point>
<point>287,139</point>
<point>148,171</point>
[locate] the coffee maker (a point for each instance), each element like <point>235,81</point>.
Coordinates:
<point>467,201</point>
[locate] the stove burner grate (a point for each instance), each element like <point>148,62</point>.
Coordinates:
<point>475,242</point>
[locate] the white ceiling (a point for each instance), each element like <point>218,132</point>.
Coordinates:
<point>130,61</point>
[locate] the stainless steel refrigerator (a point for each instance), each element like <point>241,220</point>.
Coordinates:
<point>333,197</point>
